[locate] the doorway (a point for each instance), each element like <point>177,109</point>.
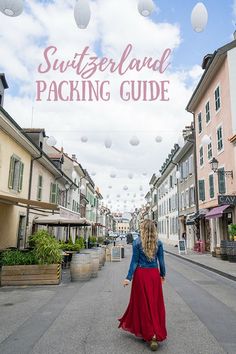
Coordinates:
<point>21,232</point>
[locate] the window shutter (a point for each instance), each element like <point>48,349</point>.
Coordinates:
<point>221,181</point>
<point>11,172</point>
<point>211,186</point>
<point>21,172</point>
<point>201,185</point>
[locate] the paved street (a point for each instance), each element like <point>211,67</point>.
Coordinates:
<point>82,318</point>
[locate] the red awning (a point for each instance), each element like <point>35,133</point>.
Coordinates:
<point>216,212</point>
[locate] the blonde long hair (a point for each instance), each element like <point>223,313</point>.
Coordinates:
<point>149,238</point>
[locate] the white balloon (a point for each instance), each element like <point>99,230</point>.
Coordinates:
<point>118,196</point>
<point>108,143</point>
<point>141,188</point>
<point>130,175</point>
<point>108,196</point>
<point>84,139</point>
<point>51,141</point>
<point>134,141</point>
<point>82,13</point>
<point>113,175</point>
<point>206,140</point>
<point>93,173</point>
<point>158,139</point>
<point>181,141</point>
<point>125,188</point>
<point>11,8</point>
<point>74,175</point>
<point>199,17</point>
<point>144,173</point>
<point>110,187</point>
<point>145,7</point>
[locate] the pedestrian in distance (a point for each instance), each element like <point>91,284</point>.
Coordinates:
<point>145,315</point>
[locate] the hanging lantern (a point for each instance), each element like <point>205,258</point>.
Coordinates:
<point>113,175</point>
<point>51,141</point>
<point>108,143</point>
<point>125,188</point>
<point>82,13</point>
<point>145,7</point>
<point>130,175</point>
<point>11,8</point>
<point>134,141</point>
<point>158,139</point>
<point>206,140</point>
<point>199,17</point>
<point>84,139</point>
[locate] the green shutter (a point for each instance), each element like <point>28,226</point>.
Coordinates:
<point>20,181</point>
<point>11,172</point>
<point>211,186</point>
<point>221,181</point>
<point>201,186</point>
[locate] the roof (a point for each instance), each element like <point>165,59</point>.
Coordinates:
<point>4,81</point>
<point>211,67</point>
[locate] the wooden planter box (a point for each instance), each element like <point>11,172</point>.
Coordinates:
<point>47,274</point>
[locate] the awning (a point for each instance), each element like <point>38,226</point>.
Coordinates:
<point>10,200</point>
<point>216,212</point>
<point>190,220</point>
<point>200,214</point>
<point>57,220</point>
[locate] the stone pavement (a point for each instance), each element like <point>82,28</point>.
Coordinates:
<point>205,260</point>
<point>81,318</point>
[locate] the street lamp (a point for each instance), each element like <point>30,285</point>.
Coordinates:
<point>214,166</point>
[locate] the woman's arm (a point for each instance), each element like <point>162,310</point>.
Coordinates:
<point>134,261</point>
<point>160,256</point>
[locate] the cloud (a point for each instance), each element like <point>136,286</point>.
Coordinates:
<point>113,25</point>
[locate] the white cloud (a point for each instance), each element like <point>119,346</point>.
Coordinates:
<point>113,25</point>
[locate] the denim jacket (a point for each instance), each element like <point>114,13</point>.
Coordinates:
<point>139,259</point>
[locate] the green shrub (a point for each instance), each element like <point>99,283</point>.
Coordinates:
<point>46,248</point>
<point>101,240</point>
<point>16,257</point>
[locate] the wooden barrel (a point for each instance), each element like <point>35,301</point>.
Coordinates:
<point>81,267</point>
<point>100,254</point>
<point>231,251</point>
<point>94,261</point>
<point>103,251</point>
<point>223,250</point>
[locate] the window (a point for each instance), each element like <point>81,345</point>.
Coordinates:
<point>219,139</point>
<point>211,186</point>
<point>209,151</point>
<point>207,110</point>
<point>217,98</point>
<point>199,118</point>
<point>201,156</point>
<point>16,171</point>
<point>221,180</point>
<point>171,181</point>
<point>54,193</point>
<point>40,187</point>
<point>187,198</point>
<point>191,196</point>
<point>190,164</point>
<point>201,186</point>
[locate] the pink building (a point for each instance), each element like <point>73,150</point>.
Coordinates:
<point>213,105</point>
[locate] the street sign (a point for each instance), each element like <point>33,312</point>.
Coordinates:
<point>182,247</point>
<point>116,254</point>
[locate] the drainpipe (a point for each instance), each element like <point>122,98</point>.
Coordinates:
<point>29,192</point>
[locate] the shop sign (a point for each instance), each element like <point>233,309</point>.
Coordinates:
<point>227,199</point>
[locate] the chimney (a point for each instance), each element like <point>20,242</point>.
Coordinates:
<point>3,86</point>
<point>206,60</point>
<point>74,157</point>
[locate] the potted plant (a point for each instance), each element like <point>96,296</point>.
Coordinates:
<point>232,232</point>
<point>40,265</point>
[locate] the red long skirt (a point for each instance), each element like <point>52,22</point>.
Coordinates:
<point>145,314</point>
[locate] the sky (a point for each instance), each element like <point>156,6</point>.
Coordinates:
<point>113,26</point>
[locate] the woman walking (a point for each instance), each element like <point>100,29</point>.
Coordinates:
<point>145,314</point>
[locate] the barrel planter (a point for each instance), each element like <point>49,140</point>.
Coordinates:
<point>45,274</point>
<point>217,250</point>
<point>223,250</point>
<point>231,251</point>
<point>81,267</point>
<point>94,262</point>
<point>100,254</point>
